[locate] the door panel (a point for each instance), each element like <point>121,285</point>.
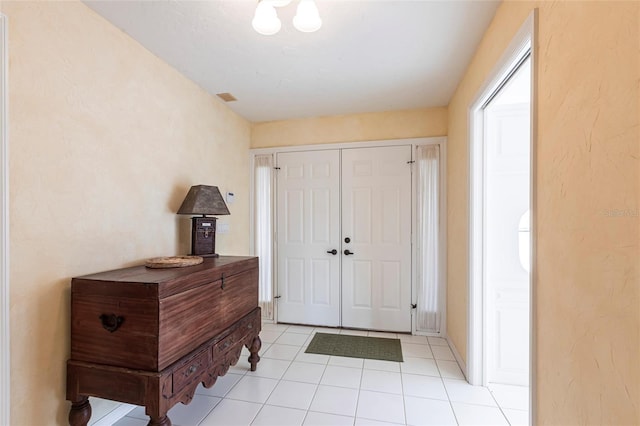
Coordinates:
<point>361,284</point>
<point>507,281</point>
<point>308,225</point>
<point>376,216</point>
<point>391,296</point>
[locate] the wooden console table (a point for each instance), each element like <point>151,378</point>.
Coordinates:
<point>150,336</point>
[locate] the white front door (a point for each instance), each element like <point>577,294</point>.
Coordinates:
<point>507,156</point>
<point>308,226</point>
<point>376,229</point>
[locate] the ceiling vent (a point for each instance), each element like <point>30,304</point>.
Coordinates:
<point>227,97</point>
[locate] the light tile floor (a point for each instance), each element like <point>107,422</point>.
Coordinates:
<point>294,388</point>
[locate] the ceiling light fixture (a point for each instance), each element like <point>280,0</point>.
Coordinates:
<point>266,21</point>
<point>307,18</point>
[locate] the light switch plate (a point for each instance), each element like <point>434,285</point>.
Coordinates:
<point>222,228</point>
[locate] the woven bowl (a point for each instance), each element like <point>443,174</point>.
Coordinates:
<point>173,262</point>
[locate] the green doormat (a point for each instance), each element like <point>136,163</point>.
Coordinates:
<point>356,346</point>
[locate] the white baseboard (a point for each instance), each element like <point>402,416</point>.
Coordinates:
<point>456,354</point>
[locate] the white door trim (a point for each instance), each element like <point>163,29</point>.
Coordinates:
<point>435,140</point>
<point>5,365</point>
<point>342,145</point>
<point>523,41</point>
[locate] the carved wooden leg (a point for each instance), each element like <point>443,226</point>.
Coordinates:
<point>80,412</point>
<point>256,344</point>
<point>159,421</point>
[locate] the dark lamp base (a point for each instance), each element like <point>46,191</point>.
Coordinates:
<point>203,236</point>
<point>206,255</point>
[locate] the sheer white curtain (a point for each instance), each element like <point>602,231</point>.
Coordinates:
<point>263,230</point>
<point>428,203</point>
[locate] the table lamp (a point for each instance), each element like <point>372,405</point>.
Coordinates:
<point>203,200</point>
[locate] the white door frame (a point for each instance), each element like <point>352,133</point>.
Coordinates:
<point>523,41</point>
<point>438,140</point>
<point>5,366</point>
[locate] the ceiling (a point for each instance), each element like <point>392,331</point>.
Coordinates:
<point>369,56</point>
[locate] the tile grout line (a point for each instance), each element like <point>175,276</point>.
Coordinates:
<point>221,398</point>
<point>266,399</point>
<point>455,416</point>
<point>264,403</point>
<point>355,414</point>
<point>214,407</point>
<point>234,385</point>
<point>315,392</point>
<point>498,404</point>
<point>404,401</point>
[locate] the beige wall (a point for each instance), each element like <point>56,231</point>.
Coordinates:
<point>415,123</point>
<point>105,141</point>
<point>587,190</point>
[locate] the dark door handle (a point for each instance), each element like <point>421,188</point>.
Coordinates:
<point>347,252</point>
<point>333,252</point>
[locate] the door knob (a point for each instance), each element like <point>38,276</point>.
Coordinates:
<point>333,252</point>
<point>347,252</point>
<point>347,240</point>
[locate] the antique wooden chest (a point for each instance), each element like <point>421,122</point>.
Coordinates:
<point>160,331</point>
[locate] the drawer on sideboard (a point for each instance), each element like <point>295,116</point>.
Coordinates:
<point>192,370</point>
<point>247,326</point>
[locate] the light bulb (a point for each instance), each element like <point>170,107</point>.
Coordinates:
<point>266,21</point>
<point>307,18</point>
